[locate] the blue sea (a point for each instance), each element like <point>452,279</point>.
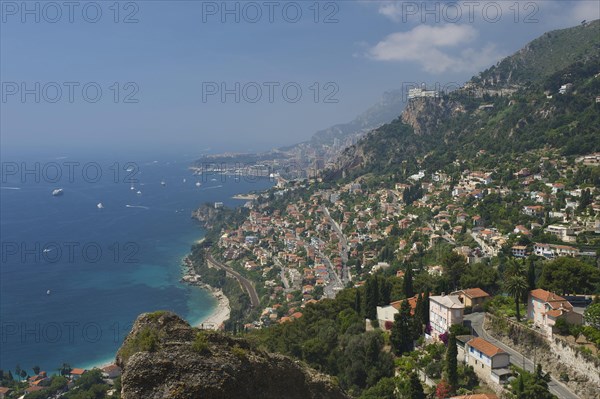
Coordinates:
<point>74,276</point>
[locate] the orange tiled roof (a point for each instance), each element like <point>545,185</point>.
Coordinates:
<point>77,371</point>
<point>475,293</point>
<point>477,396</point>
<point>485,347</point>
<point>555,301</point>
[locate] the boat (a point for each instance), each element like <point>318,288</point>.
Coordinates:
<point>57,192</point>
<point>48,292</point>
<point>184,180</point>
<point>198,184</point>
<point>132,188</point>
<point>213,179</point>
<point>162,183</point>
<point>46,250</point>
<point>139,192</point>
<point>100,206</point>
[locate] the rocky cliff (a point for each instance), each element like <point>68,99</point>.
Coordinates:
<point>163,357</point>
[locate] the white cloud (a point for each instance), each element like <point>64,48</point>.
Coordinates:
<point>437,49</point>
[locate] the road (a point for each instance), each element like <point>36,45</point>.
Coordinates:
<point>247,284</point>
<point>516,358</point>
<point>345,249</point>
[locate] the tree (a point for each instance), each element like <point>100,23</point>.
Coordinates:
<point>408,282</point>
<point>371,298</point>
<point>358,302</point>
<point>592,315</point>
<point>567,275</point>
<point>36,369</point>
<point>516,286</point>
<point>452,363</point>
<point>531,275</point>
<point>401,337</point>
<point>415,388</point>
<point>454,266</point>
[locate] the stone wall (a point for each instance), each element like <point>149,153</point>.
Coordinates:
<point>557,356</point>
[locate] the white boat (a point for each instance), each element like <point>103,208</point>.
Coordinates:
<point>198,184</point>
<point>139,192</point>
<point>162,183</point>
<point>48,292</point>
<point>57,192</point>
<point>184,180</point>
<point>132,188</point>
<point>100,206</point>
<point>46,250</point>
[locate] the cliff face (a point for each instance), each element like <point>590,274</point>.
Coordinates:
<point>163,357</point>
<point>426,114</point>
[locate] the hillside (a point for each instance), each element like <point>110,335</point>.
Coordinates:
<point>544,56</point>
<point>433,132</point>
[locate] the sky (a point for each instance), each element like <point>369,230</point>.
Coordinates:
<point>186,77</point>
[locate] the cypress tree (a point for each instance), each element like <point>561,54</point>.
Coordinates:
<point>401,337</point>
<point>415,388</point>
<point>425,309</point>
<point>357,302</point>
<point>408,282</point>
<point>371,298</point>
<point>452,362</point>
<point>531,275</point>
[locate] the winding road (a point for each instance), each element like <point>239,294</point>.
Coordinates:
<point>558,389</point>
<point>245,283</point>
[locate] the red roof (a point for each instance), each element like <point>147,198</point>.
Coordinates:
<point>555,301</point>
<point>77,371</point>
<point>485,347</point>
<point>475,293</point>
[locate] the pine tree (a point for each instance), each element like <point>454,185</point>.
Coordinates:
<point>415,389</point>
<point>408,282</point>
<point>452,363</point>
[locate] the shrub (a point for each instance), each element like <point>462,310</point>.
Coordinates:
<point>200,344</point>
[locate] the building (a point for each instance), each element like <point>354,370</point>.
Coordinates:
<point>386,314</point>
<point>422,93</point>
<point>472,297</point>
<point>488,360</point>
<point>476,396</point>
<point>519,251</point>
<point>444,311</point>
<point>551,251</point>
<point>563,233</point>
<point>4,391</point>
<point>75,374</point>
<point>544,308</point>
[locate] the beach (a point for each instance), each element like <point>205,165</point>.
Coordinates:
<point>221,312</point>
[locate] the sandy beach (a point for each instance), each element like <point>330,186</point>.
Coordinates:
<point>221,312</point>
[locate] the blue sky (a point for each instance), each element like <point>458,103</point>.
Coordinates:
<point>166,62</point>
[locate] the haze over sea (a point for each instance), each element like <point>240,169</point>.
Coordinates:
<point>104,266</point>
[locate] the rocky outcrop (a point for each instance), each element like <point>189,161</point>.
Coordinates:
<point>163,357</point>
<point>425,115</point>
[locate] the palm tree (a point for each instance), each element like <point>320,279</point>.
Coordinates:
<point>516,286</point>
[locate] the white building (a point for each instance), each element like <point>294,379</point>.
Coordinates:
<point>444,311</point>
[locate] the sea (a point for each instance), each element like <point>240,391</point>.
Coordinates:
<point>75,274</point>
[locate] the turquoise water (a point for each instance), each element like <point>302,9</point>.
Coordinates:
<point>104,266</point>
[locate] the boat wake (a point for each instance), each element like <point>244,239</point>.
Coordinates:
<point>10,188</point>
<point>137,206</point>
